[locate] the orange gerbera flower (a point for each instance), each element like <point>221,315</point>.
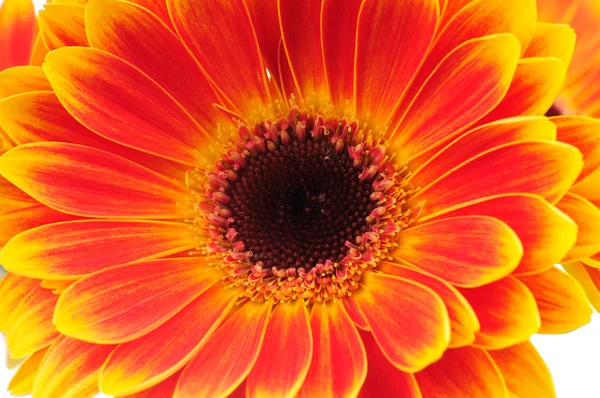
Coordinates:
<point>266,198</point>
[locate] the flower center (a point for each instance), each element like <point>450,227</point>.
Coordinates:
<point>301,206</point>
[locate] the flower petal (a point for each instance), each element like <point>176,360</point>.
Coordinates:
<point>463,372</point>
<point>88,182</point>
<point>544,168</point>
<point>355,313</point>
<point>17,32</point>
<point>481,139</point>
<point>126,302</point>
<point>161,390</point>
<point>383,378</point>
<point>584,134</point>
<point>385,68</point>
<point>331,374</point>
<point>228,356</point>
<point>13,289</point>
<point>289,345</point>
<point>546,233</point>
<point>467,84</point>
<point>560,300</point>
<point>389,303</point>
<point>534,88</point>
<point>22,79</point>
<point>117,101</point>
<point>339,19</point>
<point>463,321</point>
<point>22,382</point>
<point>221,37</point>
<point>552,40</point>
<point>70,368</point>
<point>464,251</point>
<point>147,361</point>
<point>63,250</point>
<point>589,279</point>
<point>524,371</point>
<point>507,312</point>
<point>587,218</point>
<point>265,20</point>
<point>108,28</point>
<point>62,25</point>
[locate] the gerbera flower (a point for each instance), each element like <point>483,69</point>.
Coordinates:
<point>580,95</point>
<point>267,198</point>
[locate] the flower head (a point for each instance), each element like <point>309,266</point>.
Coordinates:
<point>268,198</point>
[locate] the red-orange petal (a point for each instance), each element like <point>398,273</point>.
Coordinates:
<point>22,79</point>
<point>587,218</point>
<point>463,372</point>
<point>355,313</point>
<point>124,303</point>
<point>560,300</point>
<point>544,168</point>
<point>584,134</point>
<point>161,390</point>
<point>13,289</point>
<point>389,304</point>
<point>63,250</point>
<point>524,371</point>
<point>22,382</point>
<point>147,361</point>
<point>117,101</point>
<point>467,84</point>
<point>507,312</point>
<point>545,232</point>
<point>289,344</point>
<point>62,25</point>
<point>385,68</point>
<point>463,321</point>
<point>221,37</point>
<point>464,251</point>
<point>383,378</point>
<point>108,28</point>
<point>70,368</point>
<point>331,373</point>
<point>228,356</point>
<point>265,20</point>
<point>17,32</point>
<point>89,182</point>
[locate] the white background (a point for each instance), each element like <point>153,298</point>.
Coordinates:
<point>574,359</point>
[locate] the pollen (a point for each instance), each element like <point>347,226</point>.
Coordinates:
<point>299,207</point>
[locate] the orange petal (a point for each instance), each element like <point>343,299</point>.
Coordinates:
<point>289,345</point>
<point>534,88</point>
<point>39,51</point>
<point>383,377</point>
<point>468,83</point>
<point>544,168</point>
<point>39,116</point>
<point>124,303</point>
<point>70,368</point>
<point>17,32</point>
<point>465,251</point>
<point>589,279</point>
<point>389,304</point>
<point>228,356</point>
<point>221,37</point>
<point>113,98</point>
<point>265,20</point>
<point>584,134</point>
<point>33,330</point>
<point>560,300</point>
<point>62,25</point>
<point>463,321</point>
<point>158,8</point>
<point>22,79</point>
<point>22,382</point>
<point>339,19</point>
<point>111,186</point>
<point>552,40</point>
<point>545,232</point>
<point>524,371</point>
<point>588,187</point>
<point>385,68</point>
<point>63,250</point>
<point>149,360</point>
<point>481,139</point>
<point>13,289</point>
<point>161,390</point>
<point>587,218</point>
<point>332,374</point>
<point>355,313</point>
<point>108,28</point>
<point>463,372</point>
<point>507,312</point>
